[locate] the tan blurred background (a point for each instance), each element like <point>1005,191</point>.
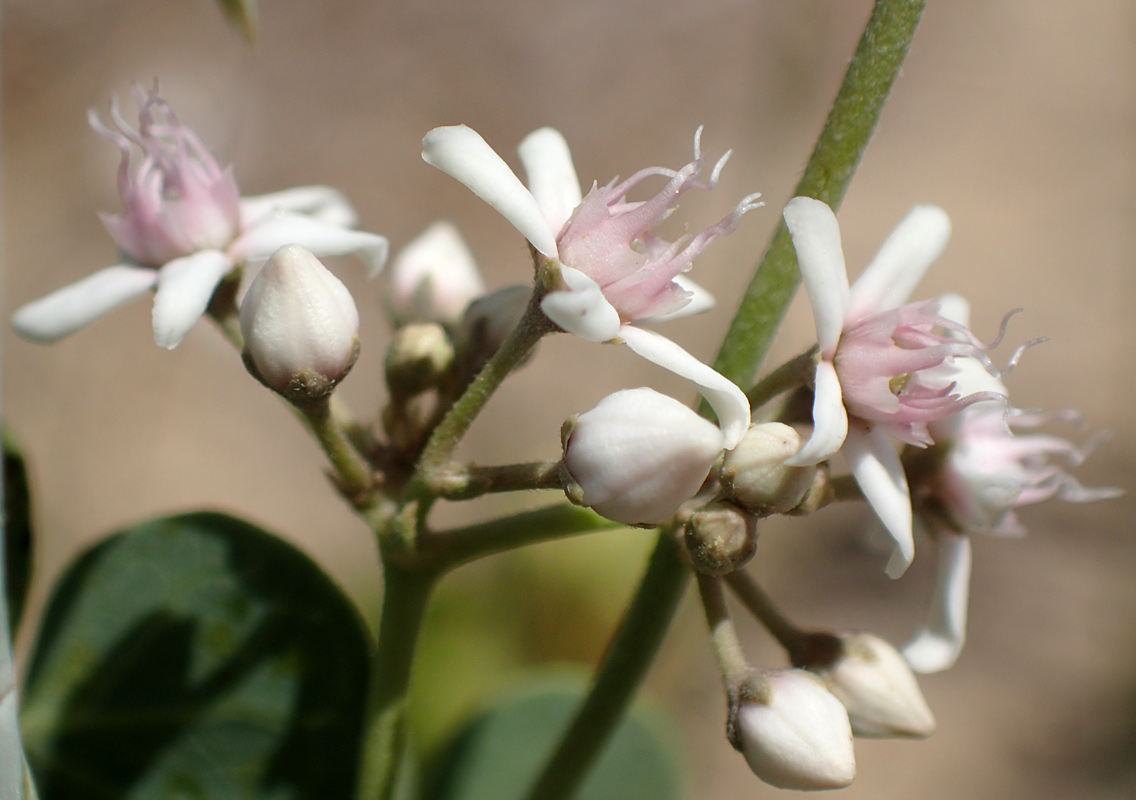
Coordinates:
<point>1018,117</point>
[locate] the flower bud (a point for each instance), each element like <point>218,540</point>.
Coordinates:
<point>878,689</point>
<point>300,326</point>
<point>794,733</point>
<point>417,359</point>
<point>720,538</point>
<point>491,318</point>
<point>754,474</point>
<point>434,277</point>
<point>637,456</point>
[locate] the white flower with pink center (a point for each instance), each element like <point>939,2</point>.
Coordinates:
<point>184,228</point>
<point>613,271</point>
<point>874,351</point>
<point>989,468</point>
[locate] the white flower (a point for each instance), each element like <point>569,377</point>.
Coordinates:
<point>184,229</point>
<point>797,736</point>
<point>638,455</point>
<point>300,326</point>
<point>873,353</point>
<point>434,277</point>
<point>613,271</point>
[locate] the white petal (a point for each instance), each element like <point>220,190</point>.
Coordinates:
<point>816,238</point>
<point>700,300</point>
<point>323,239</point>
<point>319,202</point>
<point>879,473</point>
<point>551,175</point>
<point>902,261</point>
<point>66,310</point>
<point>728,401</point>
<point>461,153</point>
<point>937,645</point>
<point>956,308</point>
<point>830,420</point>
<point>582,310</point>
<point>185,286</point>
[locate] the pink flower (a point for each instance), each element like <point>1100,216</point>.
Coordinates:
<point>184,228</point>
<point>874,352</point>
<point>988,470</point>
<point>612,270</point>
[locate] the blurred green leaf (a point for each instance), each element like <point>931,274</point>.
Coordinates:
<point>498,756</point>
<point>17,531</point>
<point>196,656</point>
<point>242,15</point>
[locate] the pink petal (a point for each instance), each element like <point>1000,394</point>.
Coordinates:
<point>461,153</point>
<point>66,310</point>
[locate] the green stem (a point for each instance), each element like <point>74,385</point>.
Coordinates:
<point>445,550</point>
<point>723,635</point>
<point>405,597</point>
<point>509,356</point>
<point>850,123</point>
<point>795,372</point>
<point>757,601</point>
<point>352,471</point>
<point>467,482</point>
<point>624,665</point>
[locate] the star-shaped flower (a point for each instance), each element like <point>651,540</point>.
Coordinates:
<point>874,352</point>
<point>613,271</point>
<point>184,227</point>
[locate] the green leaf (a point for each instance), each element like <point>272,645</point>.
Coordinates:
<point>498,756</point>
<point>17,531</point>
<point>196,657</point>
<point>242,15</point>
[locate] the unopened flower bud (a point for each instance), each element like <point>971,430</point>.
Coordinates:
<point>434,277</point>
<point>637,456</point>
<point>417,359</point>
<point>877,688</point>
<point>754,474</point>
<point>794,733</point>
<point>491,318</point>
<point>720,538</point>
<point>300,326</point>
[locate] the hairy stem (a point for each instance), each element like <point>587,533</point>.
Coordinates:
<point>352,472</point>
<point>723,635</point>
<point>465,483</point>
<point>849,126</point>
<point>757,601</point>
<point>795,372</point>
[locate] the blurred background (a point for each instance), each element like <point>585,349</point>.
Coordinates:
<point>1017,117</point>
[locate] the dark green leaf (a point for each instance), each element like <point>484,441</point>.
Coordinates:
<point>17,531</point>
<point>498,756</point>
<point>196,657</point>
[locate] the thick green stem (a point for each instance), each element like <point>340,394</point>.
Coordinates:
<point>623,667</point>
<point>405,597</point>
<point>850,123</point>
<point>445,550</point>
<point>509,356</point>
<point>793,373</point>
<point>467,482</point>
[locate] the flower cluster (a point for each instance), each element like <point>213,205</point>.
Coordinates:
<point>184,229</point>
